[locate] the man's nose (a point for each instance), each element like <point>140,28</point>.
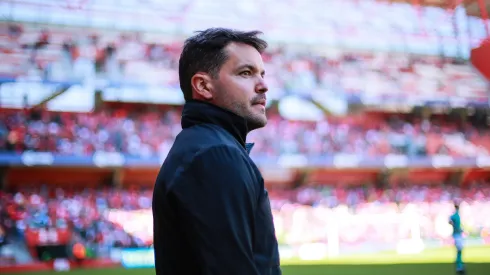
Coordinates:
<point>261,87</point>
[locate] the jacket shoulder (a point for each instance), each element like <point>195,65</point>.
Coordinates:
<point>200,141</point>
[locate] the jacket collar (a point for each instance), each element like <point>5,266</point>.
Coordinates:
<point>200,112</point>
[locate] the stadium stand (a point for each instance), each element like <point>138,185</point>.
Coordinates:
<point>147,134</point>
<point>65,55</point>
<point>76,177</point>
<point>99,216</point>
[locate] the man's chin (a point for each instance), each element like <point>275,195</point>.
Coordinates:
<point>256,122</point>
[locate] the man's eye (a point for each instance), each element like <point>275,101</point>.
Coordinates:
<point>246,73</point>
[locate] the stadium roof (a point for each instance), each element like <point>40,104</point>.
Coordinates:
<point>472,6</point>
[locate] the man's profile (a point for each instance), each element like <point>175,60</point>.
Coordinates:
<point>211,211</point>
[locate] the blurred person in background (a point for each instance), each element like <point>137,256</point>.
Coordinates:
<point>211,212</point>
<point>455,221</point>
<point>79,252</point>
<point>3,239</point>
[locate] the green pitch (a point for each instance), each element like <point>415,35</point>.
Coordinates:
<point>430,262</point>
<point>397,269</point>
<point>476,254</point>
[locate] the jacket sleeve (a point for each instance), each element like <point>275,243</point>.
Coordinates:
<point>216,199</point>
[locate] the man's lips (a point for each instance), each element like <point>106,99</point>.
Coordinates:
<point>260,102</point>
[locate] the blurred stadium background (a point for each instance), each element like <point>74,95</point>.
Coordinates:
<point>378,120</point>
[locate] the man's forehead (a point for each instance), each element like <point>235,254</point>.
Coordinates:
<point>242,54</point>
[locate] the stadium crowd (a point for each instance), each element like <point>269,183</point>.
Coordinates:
<point>82,212</point>
<point>151,133</point>
<point>58,54</point>
<point>87,212</point>
<point>385,216</point>
<point>68,55</point>
<point>355,196</point>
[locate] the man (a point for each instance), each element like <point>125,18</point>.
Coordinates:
<point>455,221</point>
<point>211,211</point>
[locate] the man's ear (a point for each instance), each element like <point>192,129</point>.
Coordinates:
<point>202,87</point>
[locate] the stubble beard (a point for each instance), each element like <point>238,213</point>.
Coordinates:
<point>253,119</point>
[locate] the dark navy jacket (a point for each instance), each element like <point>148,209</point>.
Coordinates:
<point>211,211</point>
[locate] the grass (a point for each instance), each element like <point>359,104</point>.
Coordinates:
<point>391,269</point>
<point>429,262</point>
<point>477,254</point>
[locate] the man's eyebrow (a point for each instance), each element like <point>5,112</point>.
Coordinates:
<point>250,67</point>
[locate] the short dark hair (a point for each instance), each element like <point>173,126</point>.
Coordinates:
<point>204,52</point>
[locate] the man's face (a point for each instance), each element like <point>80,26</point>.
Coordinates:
<point>240,86</point>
